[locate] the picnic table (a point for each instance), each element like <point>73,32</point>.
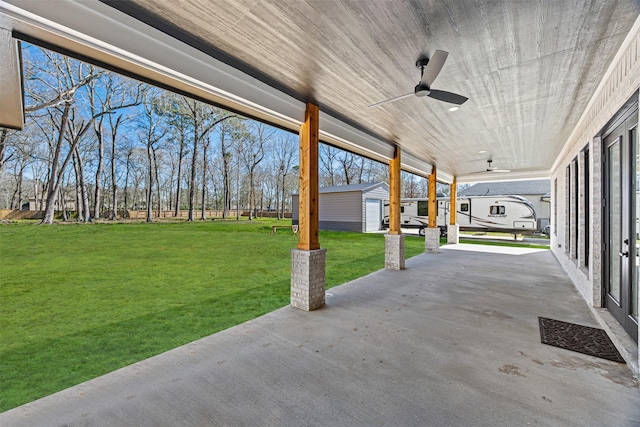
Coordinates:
<point>293,228</point>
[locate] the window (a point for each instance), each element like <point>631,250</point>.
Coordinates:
<point>567,210</point>
<point>574,207</point>
<point>423,208</point>
<point>555,207</point>
<point>587,178</point>
<point>401,209</point>
<point>464,207</point>
<point>496,210</point>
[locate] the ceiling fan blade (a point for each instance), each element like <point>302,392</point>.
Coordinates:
<point>386,101</point>
<point>450,97</point>
<point>501,170</point>
<point>435,64</point>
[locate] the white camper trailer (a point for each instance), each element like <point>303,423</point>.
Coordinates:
<point>512,214</point>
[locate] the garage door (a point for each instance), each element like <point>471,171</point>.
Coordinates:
<point>372,214</point>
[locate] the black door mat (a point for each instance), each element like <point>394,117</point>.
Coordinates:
<point>583,339</point>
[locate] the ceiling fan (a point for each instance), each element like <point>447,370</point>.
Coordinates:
<point>495,169</point>
<point>429,70</point>
<point>491,168</point>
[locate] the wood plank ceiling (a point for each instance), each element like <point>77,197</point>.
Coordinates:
<point>529,67</point>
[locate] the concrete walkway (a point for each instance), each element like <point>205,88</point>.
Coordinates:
<point>453,340</point>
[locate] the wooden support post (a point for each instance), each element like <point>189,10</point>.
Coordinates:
<point>432,202</point>
<point>394,193</point>
<point>453,202</point>
<point>308,199</point>
<point>394,239</point>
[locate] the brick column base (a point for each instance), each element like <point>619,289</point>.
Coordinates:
<point>453,234</point>
<point>394,251</point>
<point>307,278</point>
<point>432,240</point>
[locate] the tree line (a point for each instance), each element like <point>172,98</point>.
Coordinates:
<point>110,144</point>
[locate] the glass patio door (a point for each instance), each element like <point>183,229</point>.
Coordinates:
<point>622,231</point>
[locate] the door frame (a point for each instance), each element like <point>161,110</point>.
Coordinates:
<point>621,125</point>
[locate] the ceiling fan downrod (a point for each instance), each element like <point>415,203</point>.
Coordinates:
<point>422,89</point>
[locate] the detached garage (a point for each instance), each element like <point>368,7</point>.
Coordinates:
<point>356,207</point>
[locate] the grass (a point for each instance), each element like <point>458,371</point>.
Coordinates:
<point>79,301</point>
<point>496,243</point>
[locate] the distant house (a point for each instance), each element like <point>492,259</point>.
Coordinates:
<point>356,207</point>
<point>538,192</point>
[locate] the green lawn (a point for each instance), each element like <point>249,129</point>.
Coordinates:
<point>78,301</point>
<point>497,243</point>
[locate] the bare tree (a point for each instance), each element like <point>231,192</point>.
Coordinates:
<point>16,198</point>
<point>346,161</point>
<point>327,161</point>
<point>99,133</point>
<point>56,170</point>
<point>204,119</point>
<point>285,151</point>
<point>156,170</point>
<point>154,131</point>
<point>181,154</point>
<point>84,212</point>
<point>21,153</point>
<point>70,77</point>
<point>179,129</point>
<point>107,95</point>
<point>253,153</point>
<point>360,169</point>
<point>175,147</point>
<point>52,82</point>
<point>229,131</point>
<point>114,124</point>
<point>4,144</point>
<point>129,163</point>
<point>409,185</point>
<point>194,119</point>
<point>205,146</point>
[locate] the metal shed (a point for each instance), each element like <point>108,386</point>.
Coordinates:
<point>356,207</point>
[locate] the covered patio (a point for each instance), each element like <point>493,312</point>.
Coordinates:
<point>451,340</point>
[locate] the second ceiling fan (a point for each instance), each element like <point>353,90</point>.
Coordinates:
<point>491,168</point>
<point>429,70</point>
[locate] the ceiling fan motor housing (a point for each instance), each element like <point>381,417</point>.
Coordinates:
<point>422,90</point>
<point>422,62</point>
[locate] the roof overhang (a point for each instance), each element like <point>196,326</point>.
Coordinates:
<point>11,101</point>
<point>529,69</point>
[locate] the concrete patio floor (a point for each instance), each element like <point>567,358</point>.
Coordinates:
<point>453,340</point>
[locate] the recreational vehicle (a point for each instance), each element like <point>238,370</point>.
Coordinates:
<point>512,214</point>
